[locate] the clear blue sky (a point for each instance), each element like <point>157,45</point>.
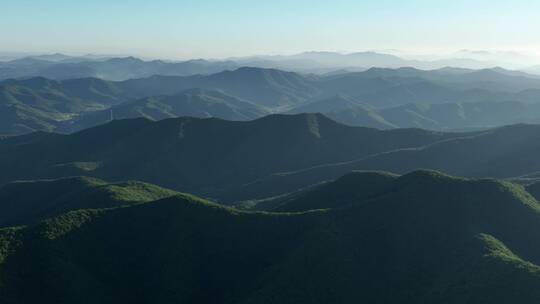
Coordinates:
<point>206,28</point>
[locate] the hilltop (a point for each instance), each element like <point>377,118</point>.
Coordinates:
<point>27,202</point>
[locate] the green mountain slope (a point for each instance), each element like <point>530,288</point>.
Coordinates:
<point>502,152</point>
<point>30,201</point>
<point>42,104</point>
<point>430,239</point>
<point>350,188</point>
<point>505,152</point>
<point>207,157</point>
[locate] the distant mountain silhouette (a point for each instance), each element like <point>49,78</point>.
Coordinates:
<point>58,66</point>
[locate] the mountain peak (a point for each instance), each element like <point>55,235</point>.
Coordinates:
<point>279,118</point>
<point>129,59</point>
<point>425,175</point>
<point>247,69</point>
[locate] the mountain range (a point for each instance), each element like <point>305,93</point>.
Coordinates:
<point>60,66</point>
<point>199,103</point>
<point>230,186</point>
<point>233,161</point>
<point>209,157</point>
<point>441,116</point>
<point>447,99</point>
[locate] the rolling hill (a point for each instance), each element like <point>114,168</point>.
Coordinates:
<point>455,116</point>
<point>450,116</point>
<point>429,238</point>
<point>346,110</point>
<point>383,88</point>
<point>42,104</point>
<point>198,103</point>
<point>265,87</point>
<point>442,116</point>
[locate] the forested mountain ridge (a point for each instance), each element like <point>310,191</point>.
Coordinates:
<point>461,240</point>
<point>208,157</point>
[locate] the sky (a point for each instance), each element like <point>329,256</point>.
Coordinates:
<point>182,29</point>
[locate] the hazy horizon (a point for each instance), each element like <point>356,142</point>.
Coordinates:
<point>180,30</point>
<point>484,58</point>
